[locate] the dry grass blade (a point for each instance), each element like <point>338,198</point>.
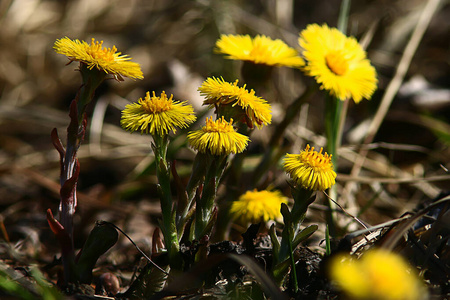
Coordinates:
<point>390,242</point>
<point>345,177</point>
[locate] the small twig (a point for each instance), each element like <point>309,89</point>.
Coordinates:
<point>347,213</point>
<point>345,177</point>
<point>134,244</point>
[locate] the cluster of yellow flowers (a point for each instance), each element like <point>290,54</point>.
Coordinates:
<point>339,65</point>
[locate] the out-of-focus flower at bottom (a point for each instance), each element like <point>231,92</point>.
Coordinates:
<point>378,274</point>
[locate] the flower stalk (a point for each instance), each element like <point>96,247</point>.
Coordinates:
<point>95,63</point>
<point>310,171</point>
<point>169,227</point>
<point>157,116</point>
<point>206,202</point>
<point>70,167</point>
<point>216,141</point>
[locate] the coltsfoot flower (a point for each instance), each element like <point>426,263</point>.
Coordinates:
<point>94,55</point>
<point>310,169</point>
<point>218,137</point>
<point>259,50</point>
<point>337,62</point>
<point>379,275</point>
<point>256,206</point>
<point>157,115</point>
<point>219,92</point>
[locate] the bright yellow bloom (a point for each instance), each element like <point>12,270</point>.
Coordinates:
<point>218,137</point>
<point>157,115</point>
<point>259,50</point>
<point>94,55</point>
<point>218,91</point>
<point>378,275</point>
<point>338,63</point>
<point>311,169</point>
<point>256,206</point>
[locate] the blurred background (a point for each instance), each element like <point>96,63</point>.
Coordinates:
<point>173,41</point>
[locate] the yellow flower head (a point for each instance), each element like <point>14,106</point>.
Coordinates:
<point>218,91</point>
<point>378,275</point>
<point>337,62</point>
<point>259,50</point>
<point>94,55</point>
<point>157,115</point>
<point>311,169</point>
<point>218,137</point>
<point>256,206</point>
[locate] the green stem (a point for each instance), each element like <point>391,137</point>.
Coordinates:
<point>92,78</point>
<point>163,173</point>
<point>294,218</point>
<point>205,203</point>
<point>327,242</point>
<point>333,116</point>
<point>343,16</point>
<point>198,172</point>
<point>334,123</point>
<point>333,111</point>
<point>293,270</point>
<point>302,199</point>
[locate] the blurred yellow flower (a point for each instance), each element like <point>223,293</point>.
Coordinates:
<point>94,55</point>
<point>338,63</point>
<point>259,50</point>
<point>311,169</point>
<point>218,91</point>
<point>378,275</point>
<point>218,137</point>
<point>256,206</point>
<point>157,115</point>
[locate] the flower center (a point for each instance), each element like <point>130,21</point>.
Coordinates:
<point>316,160</point>
<point>336,62</point>
<point>154,105</point>
<point>95,50</point>
<point>219,125</point>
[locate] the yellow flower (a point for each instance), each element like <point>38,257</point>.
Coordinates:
<point>157,115</point>
<point>256,206</point>
<point>218,91</point>
<point>379,274</point>
<point>94,55</point>
<point>337,62</point>
<point>218,137</point>
<point>260,50</point>
<point>311,169</point>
